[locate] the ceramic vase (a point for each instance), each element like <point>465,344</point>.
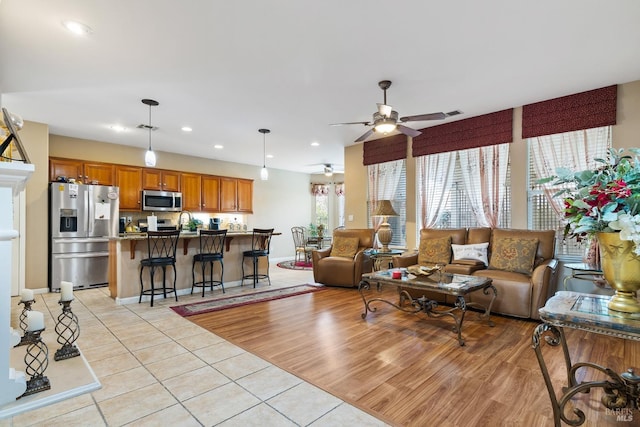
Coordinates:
<point>621,269</point>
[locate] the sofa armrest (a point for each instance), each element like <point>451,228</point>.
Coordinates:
<point>404,260</point>
<point>363,263</point>
<point>541,279</point>
<point>318,254</point>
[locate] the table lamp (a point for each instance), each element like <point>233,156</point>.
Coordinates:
<point>385,210</point>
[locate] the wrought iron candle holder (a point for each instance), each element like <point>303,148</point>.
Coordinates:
<point>37,361</point>
<point>68,330</point>
<point>23,321</point>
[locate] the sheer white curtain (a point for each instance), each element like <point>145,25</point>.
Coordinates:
<point>484,175</point>
<point>572,150</point>
<point>435,177</point>
<point>383,181</point>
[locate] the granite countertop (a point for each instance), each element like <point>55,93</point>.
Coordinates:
<point>183,235</point>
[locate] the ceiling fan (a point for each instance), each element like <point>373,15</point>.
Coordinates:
<point>328,169</point>
<point>385,120</point>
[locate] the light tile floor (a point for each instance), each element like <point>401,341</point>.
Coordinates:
<point>158,369</point>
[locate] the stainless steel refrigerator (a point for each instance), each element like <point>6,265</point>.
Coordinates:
<point>82,218</point>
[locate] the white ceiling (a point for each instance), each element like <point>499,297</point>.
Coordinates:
<point>227,68</point>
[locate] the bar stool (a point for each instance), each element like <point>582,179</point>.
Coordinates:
<point>161,249</point>
<point>211,251</point>
<point>260,242</point>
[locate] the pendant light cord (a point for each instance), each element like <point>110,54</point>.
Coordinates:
<point>150,127</point>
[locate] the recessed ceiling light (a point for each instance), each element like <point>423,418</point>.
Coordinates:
<point>118,128</point>
<point>218,146</point>
<point>269,156</point>
<point>77,28</point>
<point>186,129</point>
<point>315,144</point>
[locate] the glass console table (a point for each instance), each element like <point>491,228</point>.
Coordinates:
<point>589,313</point>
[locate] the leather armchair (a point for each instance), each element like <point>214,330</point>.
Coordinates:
<point>341,271</point>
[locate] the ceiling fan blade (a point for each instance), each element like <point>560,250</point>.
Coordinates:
<point>350,123</point>
<point>385,110</point>
<point>366,135</point>
<point>408,131</point>
<point>423,117</point>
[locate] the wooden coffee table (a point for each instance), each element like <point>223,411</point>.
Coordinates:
<point>456,285</point>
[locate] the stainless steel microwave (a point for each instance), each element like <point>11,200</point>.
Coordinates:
<point>161,201</point>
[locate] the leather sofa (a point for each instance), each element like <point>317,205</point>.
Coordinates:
<point>520,293</point>
<point>332,268</point>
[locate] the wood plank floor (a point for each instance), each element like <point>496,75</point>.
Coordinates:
<point>408,369</point>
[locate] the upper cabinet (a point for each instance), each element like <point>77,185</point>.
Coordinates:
<point>236,195</point>
<point>211,193</point>
<point>129,180</point>
<point>191,191</point>
<point>163,180</point>
<point>200,193</point>
<point>99,173</point>
<point>83,172</point>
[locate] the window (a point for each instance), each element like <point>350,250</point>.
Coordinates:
<point>388,181</point>
<point>574,150</point>
<point>445,196</point>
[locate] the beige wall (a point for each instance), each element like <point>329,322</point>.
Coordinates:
<point>625,134</point>
<point>272,200</point>
<point>35,138</point>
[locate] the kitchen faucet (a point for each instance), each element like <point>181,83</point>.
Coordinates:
<point>180,218</point>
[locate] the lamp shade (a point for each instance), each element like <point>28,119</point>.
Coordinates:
<point>384,208</point>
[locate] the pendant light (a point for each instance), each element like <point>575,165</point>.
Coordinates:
<point>264,173</point>
<point>150,156</point>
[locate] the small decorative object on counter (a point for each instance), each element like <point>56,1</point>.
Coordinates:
<point>27,300</point>
<point>68,330</point>
<point>36,358</point>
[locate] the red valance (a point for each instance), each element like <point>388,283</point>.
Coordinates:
<point>489,129</point>
<point>385,150</point>
<point>583,110</point>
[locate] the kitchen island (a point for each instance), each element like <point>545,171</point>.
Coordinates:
<point>126,251</point>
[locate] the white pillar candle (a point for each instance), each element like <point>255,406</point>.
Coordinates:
<point>66,291</point>
<point>35,321</point>
<point>26,295</point>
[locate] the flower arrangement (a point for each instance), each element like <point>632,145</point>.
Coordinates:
<point>606,199</point>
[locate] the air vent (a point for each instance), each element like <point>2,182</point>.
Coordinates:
<point>453,113</point>
<point>147,127</point>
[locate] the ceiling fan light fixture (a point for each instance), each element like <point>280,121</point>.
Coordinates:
<point>385,126</point>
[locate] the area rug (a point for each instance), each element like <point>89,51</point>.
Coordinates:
<point>244,299</point>
<point>295,265</point>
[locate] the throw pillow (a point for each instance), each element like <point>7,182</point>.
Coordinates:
<point>513,254</point>
<point>476,251</point>
<point>435,251</point>
<point>345,246</point>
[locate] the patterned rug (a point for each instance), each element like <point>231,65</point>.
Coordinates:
<point>244,299</point>
<point>295,265</point>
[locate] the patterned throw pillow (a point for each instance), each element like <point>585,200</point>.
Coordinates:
<point>476,251</point>
<point>513,254</point>
<point>435,251</point>
<point>345,246</point>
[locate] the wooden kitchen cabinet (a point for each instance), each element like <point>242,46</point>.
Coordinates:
<point>162,180</point>
<point>129,179</point>
<point>211,193</point>
<point>99,173</point>
<point>236,195</point>
<point>191,191</point>
<point>82,172</point>
<point>245,195</point>
<point>67,168</point>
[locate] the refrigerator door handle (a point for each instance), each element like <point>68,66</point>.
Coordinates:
<point>88,203</point>
<point>82,255</point>
<point>80,240</point>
